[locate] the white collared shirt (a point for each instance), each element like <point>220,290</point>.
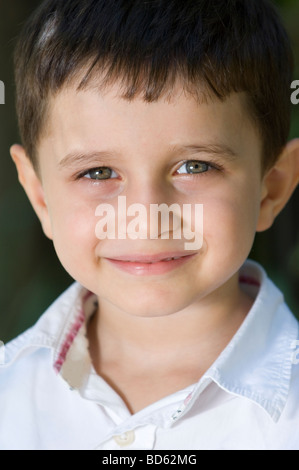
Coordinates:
<point>52,399</point>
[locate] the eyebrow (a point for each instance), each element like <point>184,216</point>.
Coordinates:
<point>77,158</point>
<point>219,150</point>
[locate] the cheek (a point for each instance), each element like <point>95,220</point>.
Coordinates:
<point>74,238</point>
<point>230,225</point>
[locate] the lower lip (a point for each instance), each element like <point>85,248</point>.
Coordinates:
<point>149,269</point>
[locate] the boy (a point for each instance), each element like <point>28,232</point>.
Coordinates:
<point>155,346</point>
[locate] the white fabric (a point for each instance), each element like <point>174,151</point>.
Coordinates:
<point>248,399</point>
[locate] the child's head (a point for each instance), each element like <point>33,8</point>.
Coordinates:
<point>162,102</point>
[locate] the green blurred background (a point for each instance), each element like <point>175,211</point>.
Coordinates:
<point>31,277</point>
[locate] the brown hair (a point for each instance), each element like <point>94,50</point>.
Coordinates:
<point>222,46</point>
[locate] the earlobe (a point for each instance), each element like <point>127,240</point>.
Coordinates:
<point>33,186</point>
<point>279,184</point>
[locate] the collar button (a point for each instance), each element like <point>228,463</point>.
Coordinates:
<point>125,439</point>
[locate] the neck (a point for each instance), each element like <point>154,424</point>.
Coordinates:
<point>204,328</point>
<point>147,358</point>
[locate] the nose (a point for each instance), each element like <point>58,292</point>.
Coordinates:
<point>150,208</point>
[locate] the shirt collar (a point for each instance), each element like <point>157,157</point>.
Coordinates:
<point>56,328</point>
<point>256,364</point>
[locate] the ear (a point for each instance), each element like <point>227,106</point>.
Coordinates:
<point>278,185</point>
<point>32,185</point>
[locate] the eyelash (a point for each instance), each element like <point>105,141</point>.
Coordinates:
<point>211,166</point>
<point>84,173</point>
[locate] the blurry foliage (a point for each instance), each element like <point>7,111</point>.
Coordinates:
<point>31,277</point>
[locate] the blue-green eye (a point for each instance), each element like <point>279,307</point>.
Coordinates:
<point>100,174</point>
<point>194,167</point>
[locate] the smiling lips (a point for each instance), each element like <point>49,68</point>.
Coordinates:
<point>144,265</point>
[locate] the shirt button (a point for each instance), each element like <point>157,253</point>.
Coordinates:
<point>125,439</point>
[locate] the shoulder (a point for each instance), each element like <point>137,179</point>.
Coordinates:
<point>20,393</point>
<point>32,393</point>
<point>34,351</point>
<point>27,363</point>
<point>37,405</point>
<point>287,425</point>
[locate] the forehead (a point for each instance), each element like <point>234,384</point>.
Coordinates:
<point>92,120</point>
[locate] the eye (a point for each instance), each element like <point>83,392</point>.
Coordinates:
<point>99,174</point>
<point>194,167</point>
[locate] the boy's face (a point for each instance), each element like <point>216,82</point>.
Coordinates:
<point>144,149</point>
